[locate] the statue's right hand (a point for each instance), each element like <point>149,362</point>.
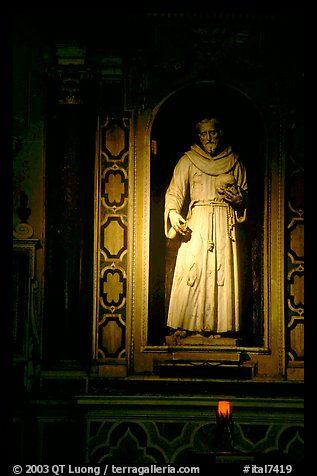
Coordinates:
<point>177,222</point>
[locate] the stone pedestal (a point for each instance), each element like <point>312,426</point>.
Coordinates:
<point>198,339</point>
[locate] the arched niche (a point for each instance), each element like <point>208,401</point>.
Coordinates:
<point>162,135</point>
<point>172,134</point>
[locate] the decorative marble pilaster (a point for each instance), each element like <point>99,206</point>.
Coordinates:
<point>295,253</point>
<point>112,230</point>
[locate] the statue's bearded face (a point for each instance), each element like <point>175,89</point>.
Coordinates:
<point>209,136</point>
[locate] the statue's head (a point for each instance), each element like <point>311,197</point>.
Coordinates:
<point>210,135</point>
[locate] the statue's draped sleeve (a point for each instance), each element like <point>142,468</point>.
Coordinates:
<point>176,192</point>
<point>239,172</point>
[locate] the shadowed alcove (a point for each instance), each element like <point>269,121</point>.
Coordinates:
<point>172,134</point>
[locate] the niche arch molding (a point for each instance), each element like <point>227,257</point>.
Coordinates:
<point>257,132</point>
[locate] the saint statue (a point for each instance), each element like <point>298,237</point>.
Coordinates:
<point>205,296</point>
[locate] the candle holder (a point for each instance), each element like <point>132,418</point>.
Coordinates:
<point>224,429</point>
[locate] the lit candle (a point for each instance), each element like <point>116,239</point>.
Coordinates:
<point>224,409</point>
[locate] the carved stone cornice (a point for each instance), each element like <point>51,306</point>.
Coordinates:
<point>68,81</point>
<point>67,70</point>
<point>189,47</point>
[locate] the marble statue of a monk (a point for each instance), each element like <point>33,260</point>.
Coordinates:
<point>205,295</point>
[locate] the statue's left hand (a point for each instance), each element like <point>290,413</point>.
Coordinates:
<point>234,198</point>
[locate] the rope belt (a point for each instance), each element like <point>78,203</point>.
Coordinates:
<point>213,204</point>
<point>198,203</point>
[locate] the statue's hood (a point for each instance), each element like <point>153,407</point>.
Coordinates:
<point>220,164</point>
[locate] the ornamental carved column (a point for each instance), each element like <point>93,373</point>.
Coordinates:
<point>69,191</point>
<point>26,323</point>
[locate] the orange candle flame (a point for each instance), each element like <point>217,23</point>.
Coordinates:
<point>224,409</point>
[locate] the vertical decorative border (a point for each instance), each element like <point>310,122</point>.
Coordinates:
<point>295,287</point>
<point>132,235</point>
<point>294,248</point>
<point>111,243</point>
